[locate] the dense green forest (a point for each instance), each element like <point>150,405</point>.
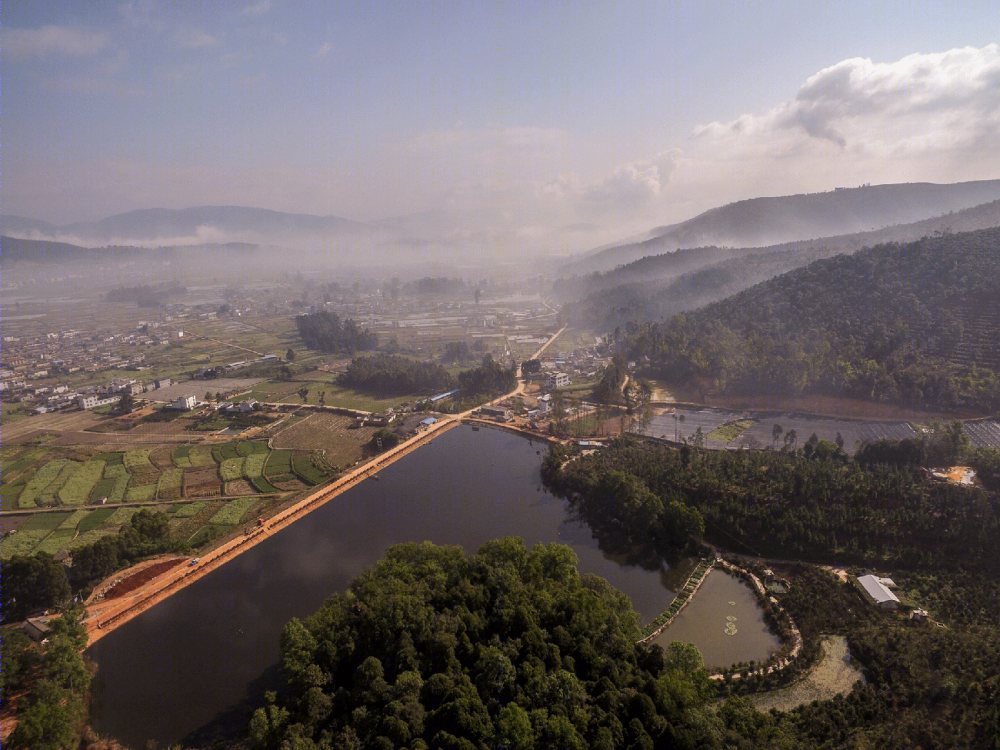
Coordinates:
<point>780,505</point>
<point>147,295</point>
<point>52,712</point>
<point>503,649</point>
<point>911,324</point>
<point>325,331</point>
<point>650,300</point>
<point>389,374</point>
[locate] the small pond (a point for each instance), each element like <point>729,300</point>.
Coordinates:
<point>725,622</point>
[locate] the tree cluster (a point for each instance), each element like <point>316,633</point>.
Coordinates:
<point>784,505</point>
<point>489,378</point>
<point>147,295</point>
<point>147,533</point>
<point>504,649</point>
<point>325,332</point>
<point>53,713</point>
<point>392,375</point>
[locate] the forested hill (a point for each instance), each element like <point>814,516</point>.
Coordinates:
<point>916,324</point>
<point>773,220</point>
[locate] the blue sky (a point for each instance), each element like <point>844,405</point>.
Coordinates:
<point>546,124</point>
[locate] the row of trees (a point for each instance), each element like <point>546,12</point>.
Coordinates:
<point>391,375</point>
<point>489,378</point>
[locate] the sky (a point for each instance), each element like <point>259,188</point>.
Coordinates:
<point>559,125</point>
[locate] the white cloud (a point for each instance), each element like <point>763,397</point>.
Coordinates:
<point>632,186</point>
<point>257,9</point>
<point>323,50</point>
<point>194,38</point>
<point>915,105</point>
<point>51,40</point>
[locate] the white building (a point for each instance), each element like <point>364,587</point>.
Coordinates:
<point>91,402</point>
<point>879,592</point>
<point>558,380</point>
<point>545,403</point>
<point>183,403</point>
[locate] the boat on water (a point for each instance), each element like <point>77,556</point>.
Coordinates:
<point>376,477</point>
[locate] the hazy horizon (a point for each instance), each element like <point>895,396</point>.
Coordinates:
<point>494,128</point>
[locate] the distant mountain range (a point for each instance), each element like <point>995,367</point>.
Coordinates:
<point>661,285</point>
<point>155,227</point>
<point>771,221</point>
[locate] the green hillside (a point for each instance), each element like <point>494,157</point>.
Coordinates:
<point>915,324</point>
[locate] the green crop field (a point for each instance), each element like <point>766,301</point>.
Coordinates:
<point>95,519</point>
<point>49,494</point>
<point>253,465</point>
<point>87,537</point>
<point>42,479</point>
<point>141,493</point>
<point>8,496</point>
<point>138,460</point>
<point>170,479</point>
<point>103,488</point>
<point>21,543</point>
<point>229,451</point>
<point>728,432</point>
<point>201,455</point>
<point>232,512</point>
<point>189,510</point>
<point>113,469</point>
<point>45,521</point>
<point>279,462</point>
<point>262,485</point>
<point>121,485</point>
<point>182,457</point>
<point>231,469</point>
<point>303,467</point>
<point>77,489</point>
<point>74,519</point>
<point>57,540</point>
<point>121,516</point>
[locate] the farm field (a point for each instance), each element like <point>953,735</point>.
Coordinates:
<point>335,434</point>
<point>52,476</point>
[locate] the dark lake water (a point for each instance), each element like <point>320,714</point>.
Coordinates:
<point>190,668</point>
<point>725,622</point>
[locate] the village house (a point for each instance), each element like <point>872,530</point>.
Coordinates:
<point>558,380</point>
<point>499,413</point>
<point>183,403</point>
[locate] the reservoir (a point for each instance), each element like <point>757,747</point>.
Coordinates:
<point>189,669</point>
<point>725,622</point>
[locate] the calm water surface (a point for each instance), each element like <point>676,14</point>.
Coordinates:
<point>190,668</point>
<point>706,623</point>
